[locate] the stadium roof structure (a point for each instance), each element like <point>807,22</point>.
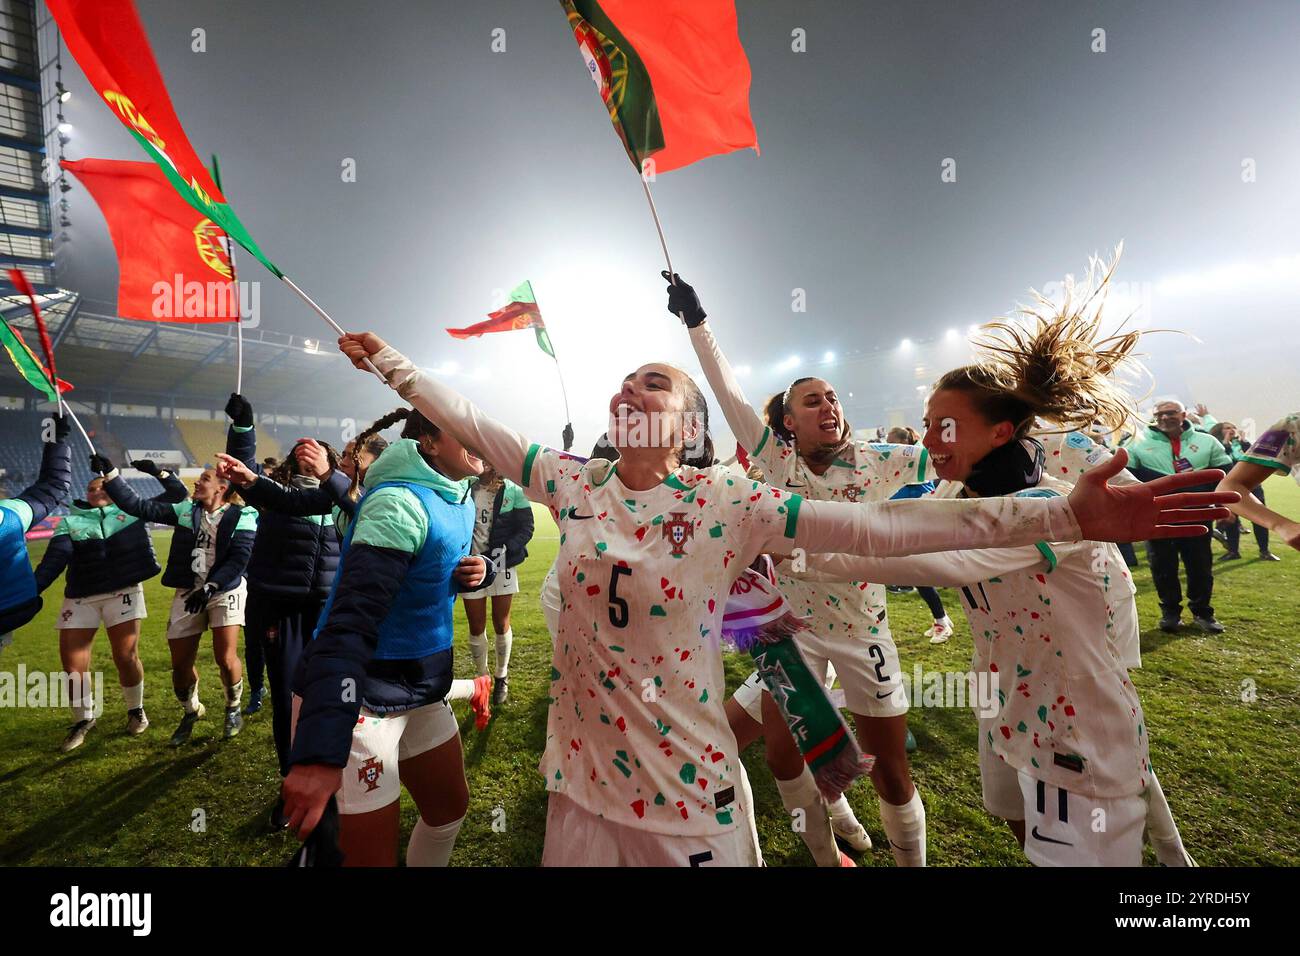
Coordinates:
<point>26,224</point>
<point>108,358</point>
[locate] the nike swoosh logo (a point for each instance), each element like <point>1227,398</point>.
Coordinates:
<point>577,517</point>
<point>880,696</point>
<point>1038,836</point>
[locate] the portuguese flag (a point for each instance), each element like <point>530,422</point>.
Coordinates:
<point>109,43</point>
<point>672,74</point>
<point>29,366</point>
<point>521,313</point>
<point>172,261</point>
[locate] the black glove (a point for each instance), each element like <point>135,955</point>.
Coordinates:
<point>147,466</point>
<point>683,301</point>
<point>239,411</point>
<point>568,436</point>
<point>198,599</point>
<point>62,427</point>
<point>100,465</point>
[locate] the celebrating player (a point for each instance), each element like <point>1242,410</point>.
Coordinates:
<point>1277,451</point>
<point>1067,737</point>
<point>639,758</point>
<point>373,680</point>
<point>209,552</point>
<point>108,554</point>
<point>807,445</point>
<point>503,526</point>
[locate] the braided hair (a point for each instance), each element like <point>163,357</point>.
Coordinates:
<point>416,426</point>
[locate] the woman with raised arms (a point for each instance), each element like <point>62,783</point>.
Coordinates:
<point>641,764</point>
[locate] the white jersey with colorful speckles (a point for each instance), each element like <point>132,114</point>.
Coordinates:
<point>1278,447</point>
<point>1043,620</point>
<point>637,730</point>
<point>1068,455</point>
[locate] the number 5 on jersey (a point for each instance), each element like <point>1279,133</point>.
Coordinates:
<point>618,610</point>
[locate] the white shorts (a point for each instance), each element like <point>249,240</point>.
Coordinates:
<point>749,695</point>
<point>380,743</point>
<point>224,610</point>
<point>1063,828</point>
<point>868,670</point>
<point>506,582</point>
<point>109,609</point>
<point>576,837</point>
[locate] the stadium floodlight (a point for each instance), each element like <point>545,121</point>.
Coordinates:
<point>792,362</point>
<point>311,346</point>
<point>65,127</point>
<point>974,328</point>
<point>828,357</point>
<point>905,345</point>
<point>952,336</point>
<point>65,94</point>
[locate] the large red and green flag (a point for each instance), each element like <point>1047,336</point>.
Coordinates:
<point>109,43</point>
<point>672,74</point>
<point>172,261</point>
<point>520,313</point>
<point>29,366</point>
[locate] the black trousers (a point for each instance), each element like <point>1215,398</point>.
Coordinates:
<point>1198,561</point>
<point>1233,531</point>
<point>254,654</point>
<point>931,597</point>
<point>283,626</point>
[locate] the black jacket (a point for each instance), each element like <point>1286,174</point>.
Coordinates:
<point>111,561</point>
<point>234,544</point>
<point>294,556</point>
<point>512,528</point>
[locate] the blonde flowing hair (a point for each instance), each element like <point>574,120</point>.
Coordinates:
<point>1049,361</point>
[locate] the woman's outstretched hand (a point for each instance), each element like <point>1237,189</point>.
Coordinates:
<point>359,346</point>
<point>1143,512</point>
<point>234,470</point>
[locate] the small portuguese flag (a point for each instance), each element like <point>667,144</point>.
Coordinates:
<point>672,74</point>
<point>108,42</point>
<point>521,313</point>
<point>28,365</point>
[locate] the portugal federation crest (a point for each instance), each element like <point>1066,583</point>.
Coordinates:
<point>678,529</point>
<point>369,773</point>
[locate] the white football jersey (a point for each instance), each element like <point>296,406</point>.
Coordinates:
<point>873,472</point>
<point>1060,635</point>
<point>637,730</point>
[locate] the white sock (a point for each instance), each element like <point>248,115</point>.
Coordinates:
<point>842,815</point>
<point>189,698</point>
<point>801,794</point>
<point>1162,831</point>
<point>460,690</point>
<point>81,699</point>
<point>478,649</point>
<point>432,846</point>
<point>504,641</point>
<point>134,696</point>
<point>233,693</point>
<point>905,827</point>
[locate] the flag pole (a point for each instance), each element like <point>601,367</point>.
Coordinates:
<point>234,280</point>
<point>559,373</point>
<point>672,276</point>
<point>332,324</point>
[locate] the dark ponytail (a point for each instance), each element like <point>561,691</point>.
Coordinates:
<point>700,453</point>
